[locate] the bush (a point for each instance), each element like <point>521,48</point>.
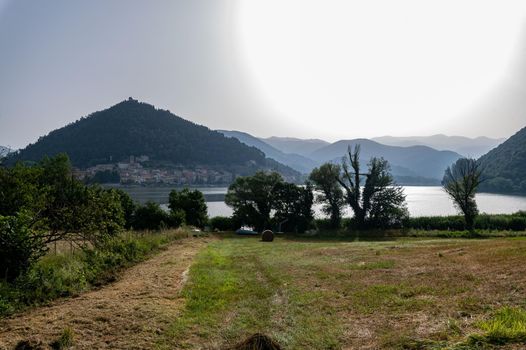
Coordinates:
<point>19,248</point>
<point>222,223</point>
<point>501,222</point>
<point>151,216</point>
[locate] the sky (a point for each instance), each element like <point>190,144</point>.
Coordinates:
<point>311,69</point>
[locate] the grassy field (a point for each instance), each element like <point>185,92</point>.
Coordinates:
<point>336,294</point>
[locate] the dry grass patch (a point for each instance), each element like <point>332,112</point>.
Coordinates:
<point>405,293</point>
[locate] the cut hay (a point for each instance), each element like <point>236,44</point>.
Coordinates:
<point>257,341</point>
<point>267,236</point>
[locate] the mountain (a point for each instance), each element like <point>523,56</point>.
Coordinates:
<point>505,166</point>
<point>295,161</point>
<point>468,147</point>
<point>136,128</point>
<point>294,145</point>
<point>414,161</point>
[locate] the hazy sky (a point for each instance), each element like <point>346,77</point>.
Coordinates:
<point>319,69</point>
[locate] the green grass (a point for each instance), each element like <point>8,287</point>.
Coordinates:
<point>507,325</point>
<point>328,293</point>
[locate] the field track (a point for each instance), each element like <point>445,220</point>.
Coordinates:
<point>130,313</point>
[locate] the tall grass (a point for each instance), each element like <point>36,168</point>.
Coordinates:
<point>513,222</point>
<point>70,273</point>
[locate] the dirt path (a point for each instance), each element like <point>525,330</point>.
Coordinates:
<point>128,314</point>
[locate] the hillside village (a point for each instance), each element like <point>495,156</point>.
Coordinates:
<point>135,171</point>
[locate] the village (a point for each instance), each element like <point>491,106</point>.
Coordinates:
<point>136,172</point>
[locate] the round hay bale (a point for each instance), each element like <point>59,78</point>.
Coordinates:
<point>257,341</point>
<point>267,236</point>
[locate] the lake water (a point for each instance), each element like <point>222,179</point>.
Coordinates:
<point>421,200</point>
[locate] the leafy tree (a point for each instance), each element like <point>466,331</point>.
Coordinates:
<point>325,179</point>
<point>150,216</point>
<point>380,203</point>
<point>192,203</point>
<point>127,205</point>
<point>461,181</point>
<point>252,198</point>
<point>43,203</point>
<point>293,206</point>
<point>19,246</point>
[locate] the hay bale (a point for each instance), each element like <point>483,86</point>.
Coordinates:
<point>267,236</point>
<point>257,341</point>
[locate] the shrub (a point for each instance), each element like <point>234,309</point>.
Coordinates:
<point>65,340</point>
<point>19,247</point>
<point>222,223</point>
<point>151,216</point>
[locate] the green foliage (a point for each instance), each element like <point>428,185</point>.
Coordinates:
<point>293,207</point>
<point>222,223</point>
<point>192,203</point>
<point>42,204</point>
<point>151,216</point>
<point>127,205</point>
<point>325,179</point>
<point>507,325</point>
<point>496,222</point>
<point>380,203</point>
<point>461,182</point>
<point>19,248</point>
<point>253,198</point>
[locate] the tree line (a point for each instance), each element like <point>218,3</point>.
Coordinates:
<point>266,201</point>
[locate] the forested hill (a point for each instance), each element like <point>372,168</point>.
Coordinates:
<point>505,166</point>
<point>136,128</point>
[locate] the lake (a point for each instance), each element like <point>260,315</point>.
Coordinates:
<point>421,200</point>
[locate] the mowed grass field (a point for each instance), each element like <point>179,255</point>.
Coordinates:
<point>334,294</point>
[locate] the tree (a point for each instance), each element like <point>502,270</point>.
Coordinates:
<point>252,198</point>
<point>192,204</point>
<point>325,179</point>
<point>293,207</point>
<point>19,246</point>
<point>381,202</point>
<point>461,181</point>
<point>128,207</point>
<point>151,216</point>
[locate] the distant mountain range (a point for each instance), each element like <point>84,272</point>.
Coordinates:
<point>135,128</point>
<point>414,161</point>
<point>410,165</point>
<point>295,161</point>
<point>505,166</point>
<point>467,147</point>
<point>294,145</point>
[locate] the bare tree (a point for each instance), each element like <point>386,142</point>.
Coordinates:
<point>381,202</point>
<point>461,181</point>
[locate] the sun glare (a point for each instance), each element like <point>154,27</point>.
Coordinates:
<point>393,63</point>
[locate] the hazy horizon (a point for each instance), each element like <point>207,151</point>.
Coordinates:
<point>327,70</point>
